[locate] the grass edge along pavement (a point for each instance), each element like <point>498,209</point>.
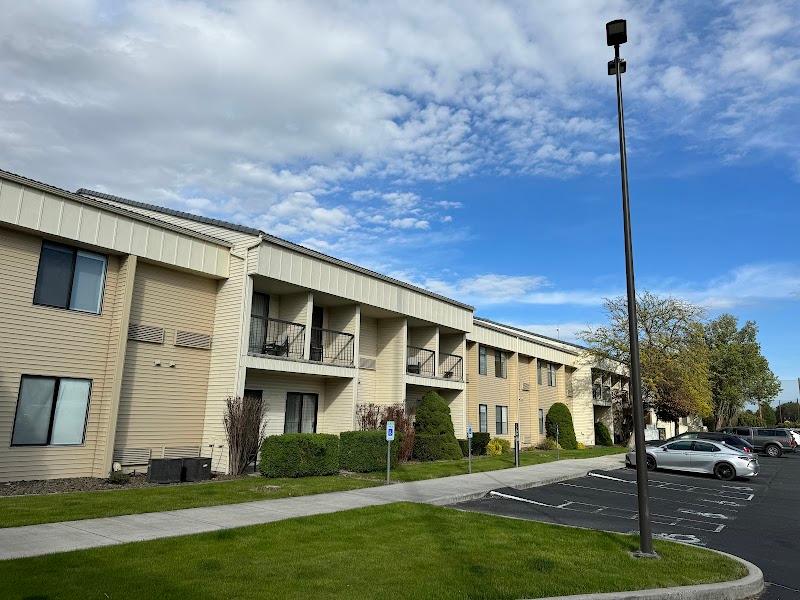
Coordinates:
<point>365,552</point>
<point>50,508</point>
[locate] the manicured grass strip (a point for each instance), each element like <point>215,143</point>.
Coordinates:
<point>28,510</point>
<point>398,551</point>
<point>445,468</point>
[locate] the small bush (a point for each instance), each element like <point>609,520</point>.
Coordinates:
<point>119,478</point>
<point>479,441</point>
<point>602,436</point>
<point>434,421</point>
<point>580,446</point>
<point>464,447</point>
<point>559,415</point>
<point>547,444</point>
<point>404,426</point>
<point>428,446</point>
<point>365,451</point>
<point>498,446</point>
<point>299,455</point>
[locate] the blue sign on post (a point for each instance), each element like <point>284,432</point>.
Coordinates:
<point>389,431</point>
<point>469,432</point>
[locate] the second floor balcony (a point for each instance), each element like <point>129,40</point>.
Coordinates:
<point>451,366</point>
<point>420,361</point>
<point>332,347</point>
<point>276,337</point>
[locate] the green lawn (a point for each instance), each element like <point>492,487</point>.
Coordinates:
<point>445,468</point>
<point>397,551</point>
<point>28,510</point>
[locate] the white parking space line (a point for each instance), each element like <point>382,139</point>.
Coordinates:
<point>682,502</point>
<point>737,494</point>
<point>621,513</point>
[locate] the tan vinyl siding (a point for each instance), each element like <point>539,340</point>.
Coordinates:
<point>336,408</point>
<point>39,340</point>
<point>423,337</point>
<point>224,362</point>
<point>527,407</point>
<point>160,404</point>
<point>368,337</point>
<point>391,360</point>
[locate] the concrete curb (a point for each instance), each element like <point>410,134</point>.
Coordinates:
<point>749,586</point>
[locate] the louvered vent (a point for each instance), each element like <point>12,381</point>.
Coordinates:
<point>192,339</point>
<point>129,457</point>
<point>367,362</point>
<point>146,333</point>
<point>526,387</point>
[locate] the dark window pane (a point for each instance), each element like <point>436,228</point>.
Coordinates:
<point>682,445</point>
<point>87,284</point>
<point>482,360</point>
<point>291,423</point>
<point>541,421</point>
<point>33,410</point>
<point>54,279</point>
<point>483,419</point>
<point>704,447</point>
<point>69,420</point>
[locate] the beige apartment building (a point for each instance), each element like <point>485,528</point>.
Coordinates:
<point>125,326</point>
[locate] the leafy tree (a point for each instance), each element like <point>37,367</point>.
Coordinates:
<point>674,357</point>
<point>739,373</point>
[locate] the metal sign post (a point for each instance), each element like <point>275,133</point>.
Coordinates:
<point>389,438</point>
<point>469,446</point>
<point>516,444</point>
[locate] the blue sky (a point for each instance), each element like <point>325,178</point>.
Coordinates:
<point>467,147</point>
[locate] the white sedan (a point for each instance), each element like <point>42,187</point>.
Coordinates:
<point>699,456</point>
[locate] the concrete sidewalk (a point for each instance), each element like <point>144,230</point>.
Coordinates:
<point>34,540</point>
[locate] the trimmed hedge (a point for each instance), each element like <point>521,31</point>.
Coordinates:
<point>479,441</point>
<point>299,455</point>
<point>430,446</point>
<point>559,414</point>
<point>365,451</point>
<point>602,436</point>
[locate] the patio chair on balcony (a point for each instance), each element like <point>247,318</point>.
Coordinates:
<point>413,367</point>
<point>276,348</point>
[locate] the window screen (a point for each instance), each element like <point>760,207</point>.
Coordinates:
<point>501,420</point>
<point>482,360</point>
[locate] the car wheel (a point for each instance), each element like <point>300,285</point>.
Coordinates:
<point>773,451</point>
<point>724,471</point>
<point>651,463</point>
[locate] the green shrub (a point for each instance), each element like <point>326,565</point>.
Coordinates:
<point>547,444</point>
<point>464,447</point>
<point>365,451</point>
<point>559,415</point>
<point>479,441</point>
<point>299,455</point>
<point>428,446</point>
<point>602,436</point>
<point>435,439</point>
<point>498,446</point>
<point>119,478</point>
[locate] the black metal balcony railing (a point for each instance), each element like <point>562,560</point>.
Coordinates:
<point>420,361</point>
<point>332,347</point>
<point>451,366</point>
<point>276,337</point>
<point>601,394</point>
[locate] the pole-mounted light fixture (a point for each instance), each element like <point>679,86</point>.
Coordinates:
<point>617,34</point>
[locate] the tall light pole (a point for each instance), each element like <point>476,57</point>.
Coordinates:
<point>617,34</point>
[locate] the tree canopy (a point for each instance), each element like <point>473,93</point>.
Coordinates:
<point>672,349</point>
<point>739,373</point>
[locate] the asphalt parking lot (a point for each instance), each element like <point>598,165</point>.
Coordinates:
<point>757,519</point>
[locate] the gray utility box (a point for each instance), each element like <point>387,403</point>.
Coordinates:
<point>196,469</point>
<point>165,470</point>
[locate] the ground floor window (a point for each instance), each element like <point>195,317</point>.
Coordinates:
<point>51,411</point>
<point>541,421</point>
<point>483,419</point>
<point>501,420</point>
<point>301,413</point>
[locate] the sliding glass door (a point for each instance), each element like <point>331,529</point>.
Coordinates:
<point>301,413</point>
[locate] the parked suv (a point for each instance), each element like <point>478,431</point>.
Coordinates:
<point>773,442</point>
<point>715,436</point>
